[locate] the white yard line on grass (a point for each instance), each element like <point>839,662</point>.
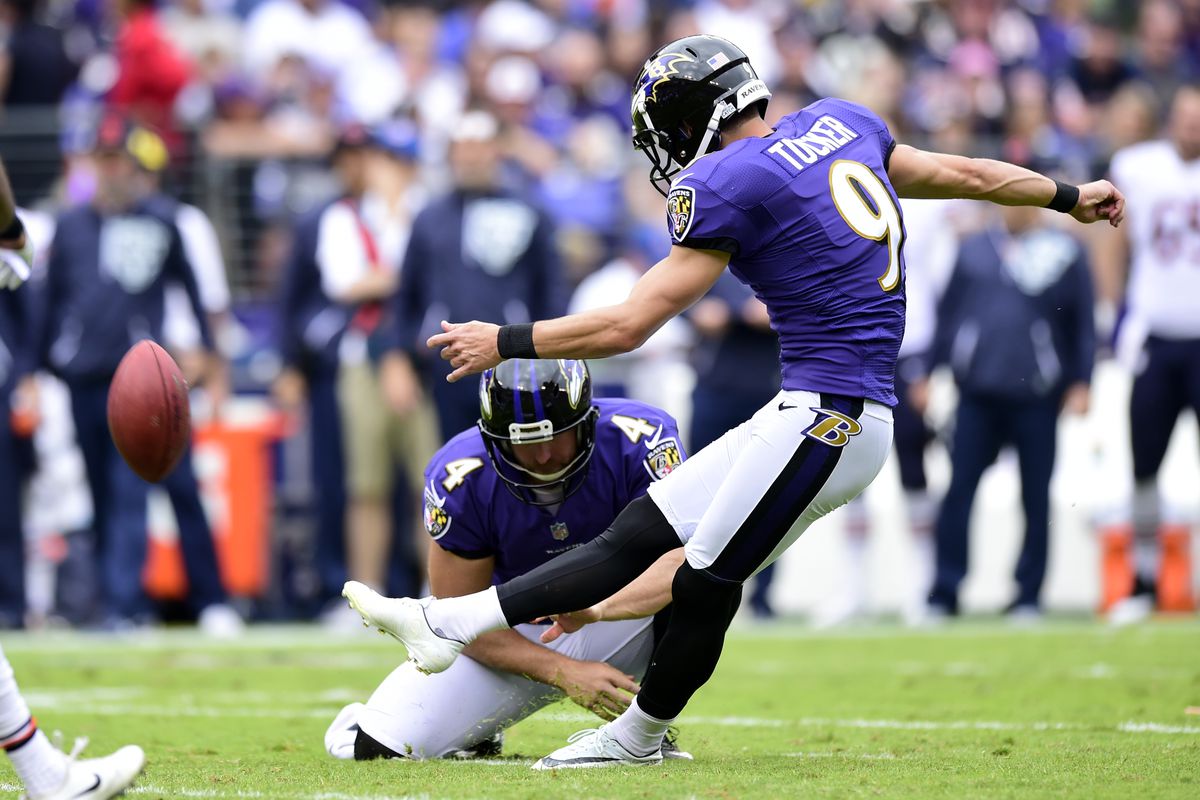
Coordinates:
<point>856,756</point>
<point>250,794</point>
<point>164,792</point>
<point>140,710</point>
<point>72,705</point>
<point>1155,727</point>
<point>909,724</point>
<point>965,629</point>
<point>312,637</point>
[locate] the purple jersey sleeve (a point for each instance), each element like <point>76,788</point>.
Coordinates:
<point>699,217</point>
<point>644,440</point>
<point>453,483</point>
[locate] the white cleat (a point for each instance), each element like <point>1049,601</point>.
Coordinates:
<point>99,778</point>
<point>221,621</point>
<point>1131,610</point>
<point>671,750</point>
<point>595,748</point>
<point>404,619</point>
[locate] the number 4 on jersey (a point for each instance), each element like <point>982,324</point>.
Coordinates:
<point>633,427</point>
<point>458,470</point>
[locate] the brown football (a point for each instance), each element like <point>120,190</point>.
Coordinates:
<point>148,412</point>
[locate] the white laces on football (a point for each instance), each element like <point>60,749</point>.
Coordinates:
<point>81,742</point>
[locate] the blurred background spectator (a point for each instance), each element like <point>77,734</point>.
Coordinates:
<point>480,251</point>
<point>307,337</point>
<point>517,112</point>
<point>360,248</point>
<point>104,289</point>
<point>1015,326</point>
<point>35,69</point>
<point>18,401</point>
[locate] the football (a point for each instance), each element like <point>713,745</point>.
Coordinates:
<point>148,413</point>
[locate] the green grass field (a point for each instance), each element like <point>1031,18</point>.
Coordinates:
<point>1067,709</point>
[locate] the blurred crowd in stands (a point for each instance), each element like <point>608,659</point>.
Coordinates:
<point>370,168</point>
<point>276,81</point>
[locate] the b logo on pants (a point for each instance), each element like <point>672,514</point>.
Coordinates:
<point>833,428</point>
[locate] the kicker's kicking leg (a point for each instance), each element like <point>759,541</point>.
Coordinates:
<point>436,630</point>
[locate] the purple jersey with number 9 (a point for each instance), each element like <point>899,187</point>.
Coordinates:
<point>813,226</point>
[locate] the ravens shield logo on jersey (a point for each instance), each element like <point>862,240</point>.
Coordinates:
<point>680,204</point>
<point>664,459</point>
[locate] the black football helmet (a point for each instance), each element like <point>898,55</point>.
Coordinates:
<point>685,92</point>
<point>524,401</point>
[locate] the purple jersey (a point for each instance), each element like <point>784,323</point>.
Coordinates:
<point>813,226</point>
<point>471,513</point>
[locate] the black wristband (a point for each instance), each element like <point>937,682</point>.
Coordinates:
<point>516,341</point>
<point>13,231</point>
<point>1066,197</point>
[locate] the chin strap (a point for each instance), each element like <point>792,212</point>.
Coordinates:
<point>720,111</point>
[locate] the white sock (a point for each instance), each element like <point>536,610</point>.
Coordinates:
<point>637,731</point>
<point>39,764</point>
<point>13,711</point>
<point>854,576</point>
<point>466,618</point>
<point>922,511</point>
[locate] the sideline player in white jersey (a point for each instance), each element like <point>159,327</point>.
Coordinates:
<point>806,214</point>
<point>46,772</point>
<point>1160,336</point>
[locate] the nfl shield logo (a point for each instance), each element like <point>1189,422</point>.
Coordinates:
<point>559,531</point>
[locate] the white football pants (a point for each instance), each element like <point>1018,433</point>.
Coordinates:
<point>13,711</point>
<point>744,499</point>
<point>429,716</point>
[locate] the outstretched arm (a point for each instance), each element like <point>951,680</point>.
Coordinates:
<point>921,174</point>
<point>665,290</point>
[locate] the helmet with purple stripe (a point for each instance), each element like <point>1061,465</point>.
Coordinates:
<point>687,93</point>
<point>538,402</point>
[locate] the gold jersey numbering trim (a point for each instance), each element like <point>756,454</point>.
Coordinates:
<point>855,188</point>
